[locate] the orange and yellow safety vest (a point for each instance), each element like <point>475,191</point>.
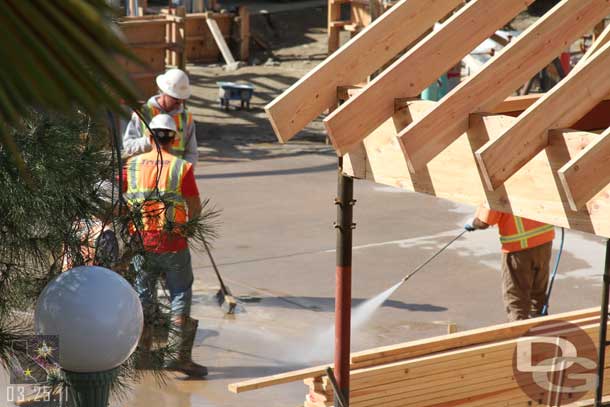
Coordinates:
<point>155,186</point>
<point>179,144</point>
<point>517,233</point>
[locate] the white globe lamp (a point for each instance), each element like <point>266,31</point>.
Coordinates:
<point>98,319</point>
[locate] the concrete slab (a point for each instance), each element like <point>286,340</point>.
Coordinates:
<point>276,248</point>
<point>276,252</point>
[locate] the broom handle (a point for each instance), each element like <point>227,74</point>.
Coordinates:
<point>222,284</point>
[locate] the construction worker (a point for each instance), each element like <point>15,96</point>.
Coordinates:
<point>160,190</point>
<point>526,255</point>
<point>174,89</point>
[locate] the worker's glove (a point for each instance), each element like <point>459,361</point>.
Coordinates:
<point>469,227</point>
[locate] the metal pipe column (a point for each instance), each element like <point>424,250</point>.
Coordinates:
<point>343,292</point>
<point>603,342</point>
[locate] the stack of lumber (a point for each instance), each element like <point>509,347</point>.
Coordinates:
<point>470,368</point>
<point>320,393</point>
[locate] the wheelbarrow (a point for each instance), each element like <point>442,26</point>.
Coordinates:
<point>228,91</point>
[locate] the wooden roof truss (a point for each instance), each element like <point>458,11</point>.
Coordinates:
<point>541,156</point>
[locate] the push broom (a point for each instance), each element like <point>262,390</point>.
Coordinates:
<point>224,296</point>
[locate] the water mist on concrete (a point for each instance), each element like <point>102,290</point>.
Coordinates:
<point>322,347</point>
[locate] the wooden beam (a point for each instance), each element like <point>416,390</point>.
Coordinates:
<point>220,41</point>
<point>418,68</point>
<point>561,107</point>
<point>588,173</point>
<point>346,92</point>
<point>244,33</point>
<point>354,162</point>
<point>533,192</point>
<point>418,348</point>
<point>334,14</point>
<point>366,377</point>
<point>362,55</point>
<point>510,68</point>
<point>516,103</point>
<point>596,119</point>
<point>280,378</point>
<point>393,353</point>
<point>426,367</point>
<point>181,37</point>
<point>511,105</point>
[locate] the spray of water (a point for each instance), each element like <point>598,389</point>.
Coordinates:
<point>365,311</point>
<point>322,349</point>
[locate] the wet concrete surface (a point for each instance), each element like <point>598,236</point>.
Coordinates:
<point>276,253</point>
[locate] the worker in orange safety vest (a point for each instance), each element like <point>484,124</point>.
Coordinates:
<point>526,255</point>
<point>162,194</point>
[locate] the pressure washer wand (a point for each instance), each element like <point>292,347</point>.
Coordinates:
<point>421,266</point>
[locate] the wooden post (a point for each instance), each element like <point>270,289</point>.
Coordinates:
<point>173,35</point>
<point>176,35</point>
<point>244,33</point>
<point>334,14</point>
<point>168,41</point>
<point>181,38</point>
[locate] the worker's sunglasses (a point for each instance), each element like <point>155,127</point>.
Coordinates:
<point>164,133</point>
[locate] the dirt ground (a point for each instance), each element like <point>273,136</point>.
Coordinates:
<point>298,41</point>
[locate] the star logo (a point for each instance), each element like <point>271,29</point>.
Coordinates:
<point>44,351</point>
<point>27,373</point>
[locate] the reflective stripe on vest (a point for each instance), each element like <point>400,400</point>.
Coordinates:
<point>522,236</point>
<point>179,143</point>
<point>162,205</point>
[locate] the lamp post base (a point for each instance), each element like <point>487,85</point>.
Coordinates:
<point>90,389</point>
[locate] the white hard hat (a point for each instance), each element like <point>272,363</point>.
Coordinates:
<point>174,83</point>
<point>163,121</point>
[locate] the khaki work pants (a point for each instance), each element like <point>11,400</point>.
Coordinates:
<point>525,278</point>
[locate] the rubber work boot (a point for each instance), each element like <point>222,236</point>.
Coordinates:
<point>182,337</point>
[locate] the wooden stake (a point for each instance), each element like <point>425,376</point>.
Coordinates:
<point>334,14</point>
<point>244,33</point>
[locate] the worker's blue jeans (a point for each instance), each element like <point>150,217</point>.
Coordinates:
<point>178,273</point>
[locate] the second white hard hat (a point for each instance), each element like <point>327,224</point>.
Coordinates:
<point>174,83</point>
<point>163,121</point>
